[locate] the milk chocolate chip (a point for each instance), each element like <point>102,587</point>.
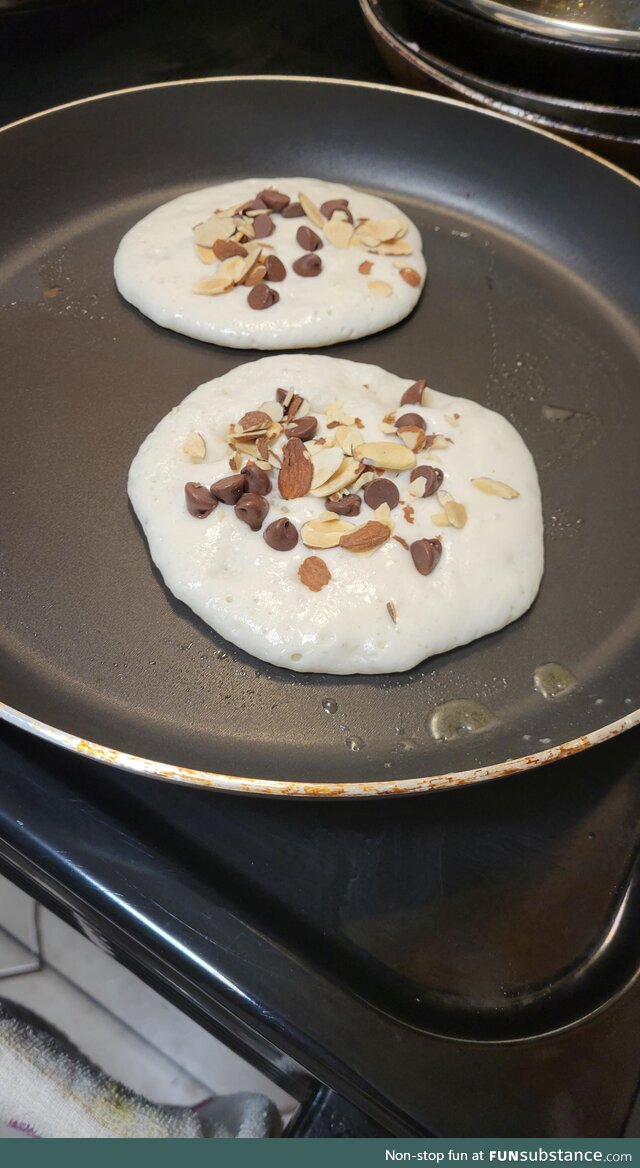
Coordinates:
<point>293,211</point>
<point>432,475</point>
<point>332,205</point>
<point>200,502</point>
<point>274,200</point>
<point>413,395</point>
<point>275,268</point>
<point>343,504</point>
<point>410,420</point>
<point>308,265</point>
<point>425,554</point>
<point>224,248</point>
<point>257,480</point>
<point>229,489</point>
<point>263,225</point>
<point>262,296</point>
<point>308,239</point>
<point>281,535</point>
<point>252,509</point>
<point>381,491</point>
<point>302,428</point>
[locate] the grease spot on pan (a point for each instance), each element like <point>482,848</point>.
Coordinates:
<point>454,719</point>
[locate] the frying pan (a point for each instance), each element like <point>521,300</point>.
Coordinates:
<point>531,308</point>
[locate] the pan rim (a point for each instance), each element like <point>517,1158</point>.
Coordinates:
<point>299,788</point>
<point>302,788</point>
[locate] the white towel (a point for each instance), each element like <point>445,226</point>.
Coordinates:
<point>48,1088</point>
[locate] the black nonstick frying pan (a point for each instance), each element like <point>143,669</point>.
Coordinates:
<point>532,307</point>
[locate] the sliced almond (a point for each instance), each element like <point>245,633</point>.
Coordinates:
<point>195,446</point>
<point>325,464</point>
<point>212,286</point>
<point>236,460</point>
<point>393,612</point>
<point>398,247</point>
<point>385,230</point>
<point>438,442</point>
<point>244,227</point>
<point>344,476</point>
<point>441,520</point>
<point>387,428</point>
<point>365,267</point>
<point>344,437</point>
<point>205,234</point>
<point>255,420</point>
<point>335,413</point>
<point>296,471</point>
<point>365,538</point>
<point>418,487</point>
<point>317,444</point>
<point>379,287</point>
<point>338,232</point>
<point>451,419</point>
<point>367,476</point>
<point>413,436</point>
<point>205,254</point>
<point>227,212</point>
<point>410,276</point>
<point>314,573</point>
<point>322,533</point>
<point>388,455</point>
<point>311,211</point>
<point>495,487</point>
<point>273,409</point>
<point>383,515</point>
<point>456,513</point>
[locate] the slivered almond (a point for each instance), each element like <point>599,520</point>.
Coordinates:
<point>495,487</point>
<point>388,455</point>
<point>311,211</point>
<point>365,267</point>
<point>205,254</point>
<point>195,446</point>
<point>379,287</point>
<point>325,464</point>
<point>338,232</point>
<point>343,477</point>
<point>324,533</point>
<point>296,471</point>
<point>410,276</point>
<point>456,513</point>
<point>366,538</point>
<point>314,573</point>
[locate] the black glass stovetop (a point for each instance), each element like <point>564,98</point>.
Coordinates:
<point>462,963</point>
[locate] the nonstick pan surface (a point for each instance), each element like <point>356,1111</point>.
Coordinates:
<point>531,308</point>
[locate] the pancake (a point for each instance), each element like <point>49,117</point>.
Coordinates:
<point>404,523</point>
<point>314,277</point>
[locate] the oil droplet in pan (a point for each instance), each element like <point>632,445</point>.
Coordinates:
<point>330,706</point>
<point>354,743</point>
<point>453,719</point>
<point>552,680</point>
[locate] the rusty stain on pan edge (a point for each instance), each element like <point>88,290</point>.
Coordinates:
<point>250,786</point>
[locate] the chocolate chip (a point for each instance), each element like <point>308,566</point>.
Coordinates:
<point>293,211</point>
<point>252,509</point>
<point>224,248</point>
<point>343,504</point>
<point>281,535</point>
<point>308,265</point>
<point>413,395</point>
<point>425,554</point>
<point>410,420</point>
<point>275,268</point>
<point>308,238</point>
<point>302,428</point>
<point>275,200</point>
<point>257,204</point>
<point>262,296</point>
<point>229,489</point>
<point>257,479</point>
<point>332,205</point>
<point>381,491</point>
<point>432,475</point>
<point>263,225</point>
<point>200,502</point>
